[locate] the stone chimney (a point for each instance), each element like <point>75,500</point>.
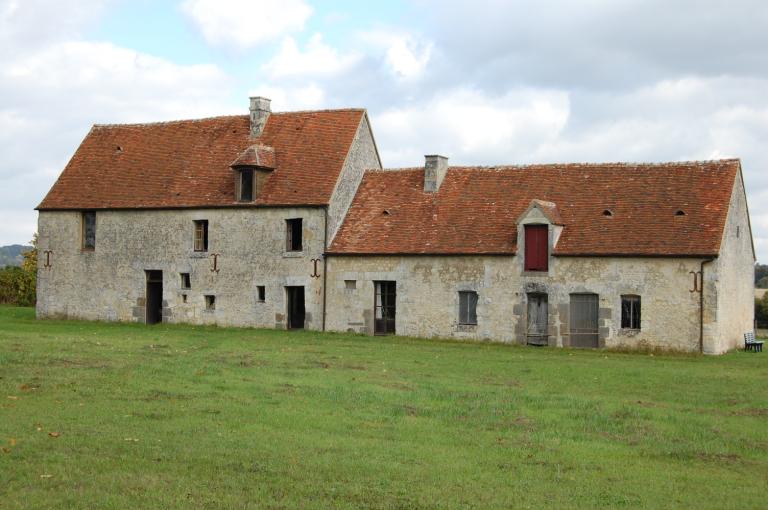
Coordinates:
<point>260,111</point>
<point>435,168</point>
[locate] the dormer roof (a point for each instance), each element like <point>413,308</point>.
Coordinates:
<point>257,155</point>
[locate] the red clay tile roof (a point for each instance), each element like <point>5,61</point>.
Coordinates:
<point>187,163</point>
<point>256,155</point>
<point>475,209</point>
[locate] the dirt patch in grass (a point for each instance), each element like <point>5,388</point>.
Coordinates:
<point>753,411</point>
<point>77,363</point>
<point>164,395</point>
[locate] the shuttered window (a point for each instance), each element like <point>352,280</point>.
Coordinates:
<point>467,307</point>
<point>536,248</point>
<point>293,234</point>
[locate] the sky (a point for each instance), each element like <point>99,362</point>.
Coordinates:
<point>484,82</point>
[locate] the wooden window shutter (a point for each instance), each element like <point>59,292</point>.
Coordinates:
<point>536,247</point>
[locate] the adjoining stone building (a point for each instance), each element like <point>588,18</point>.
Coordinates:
<point>212,221</point>
<point>287,220</point>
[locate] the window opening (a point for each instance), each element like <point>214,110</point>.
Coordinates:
<point>630,312</point>
<point>210,302</point>
<point>89,230</point>
<point>468,307</point>
<point>201,235</point>
<point>293,234</point>
<point>536,248</point>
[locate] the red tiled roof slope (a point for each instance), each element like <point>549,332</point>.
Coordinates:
<point>187,163</point>
<point>475,209</point>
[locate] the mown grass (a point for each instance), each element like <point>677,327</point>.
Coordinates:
<point>197,417</point>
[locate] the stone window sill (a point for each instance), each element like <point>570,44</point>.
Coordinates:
<point>466,328</point>
<point>293,254</point>
<point>198,255</point>
<point>541,274</point>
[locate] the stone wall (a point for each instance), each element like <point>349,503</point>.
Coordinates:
<point>109,283</point>
<point>428,286</point>
<point>362,156</point>
<point>734,272</point>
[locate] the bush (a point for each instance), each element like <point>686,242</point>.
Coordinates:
<point>18,284</point>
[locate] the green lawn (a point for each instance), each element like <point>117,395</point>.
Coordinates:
<point>97,415</point>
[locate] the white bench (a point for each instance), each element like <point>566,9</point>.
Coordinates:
<point>750,344</point>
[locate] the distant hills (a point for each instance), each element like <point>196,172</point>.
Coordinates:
<point>11,255</point>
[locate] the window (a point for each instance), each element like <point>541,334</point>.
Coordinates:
<point>350,284</point>
<point>261,294</point>
<point>467,307</point>
<point>246,185</point>
<point>210,303</point>
<point>185,282</point>
<point>201,235</point>
<point>293,231</point>
<point>536,248</point>
<point>89,230</point>
<point>630,312</point>
<point>183,298</point>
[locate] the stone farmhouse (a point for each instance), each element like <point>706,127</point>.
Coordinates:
<point>288,220</point>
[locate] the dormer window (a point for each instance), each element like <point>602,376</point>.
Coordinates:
<point>536,247</point>
<point>246,185</point>
<point>251,168</point>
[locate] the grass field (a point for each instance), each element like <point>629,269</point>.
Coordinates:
<point>99,415</point>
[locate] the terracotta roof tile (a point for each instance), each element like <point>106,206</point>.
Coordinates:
<point>475,209</point>
<point>256,155</point>
<point>187,163</point>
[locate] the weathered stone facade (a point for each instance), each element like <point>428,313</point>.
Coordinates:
<point>109,283</point>
<point>245,274</point>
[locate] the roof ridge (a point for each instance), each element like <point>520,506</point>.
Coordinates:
<point>163,122</point>
<point>219,117</point>
<point>623,164</point>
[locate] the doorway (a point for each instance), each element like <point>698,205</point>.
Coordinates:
<point>385,309</point>
<point>295,307</point>
<point>154,302</point>
<point>584,320</point>
<point>538,314</point>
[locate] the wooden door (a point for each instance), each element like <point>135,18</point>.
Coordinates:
<point>538,319</point>
<point>385,309</point>
<point>584,308</point>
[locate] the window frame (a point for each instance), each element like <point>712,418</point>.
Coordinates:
<point>242,185</point>
<point>200,236</point>
<point>84,244</point>
<point>468,308</point>
<point>261,293</point>
<point>294,226</point>
<point>533,248</point>
<point>631,315</point>
<point>186,281</point>
<point>210,302</point>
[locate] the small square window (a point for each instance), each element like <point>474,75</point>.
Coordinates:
<point>350,284</point>
<point>201,235</point>
<point>293,234</point>
<point>210,303</point>
<point>185,281</point>
<point>261,293</point>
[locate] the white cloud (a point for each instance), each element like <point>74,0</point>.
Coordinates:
<point>471,127</point>
<point>247,23</point>
<point>318,59</point>
<point>405,55</point>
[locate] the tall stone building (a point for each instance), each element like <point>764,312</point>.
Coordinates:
<point>287,220</point>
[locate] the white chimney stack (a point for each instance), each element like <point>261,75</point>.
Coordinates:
<point>260,110</point>
<point>435,168</point>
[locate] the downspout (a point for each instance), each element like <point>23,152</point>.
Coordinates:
<point>325,264</point>
<point>701,305</point>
